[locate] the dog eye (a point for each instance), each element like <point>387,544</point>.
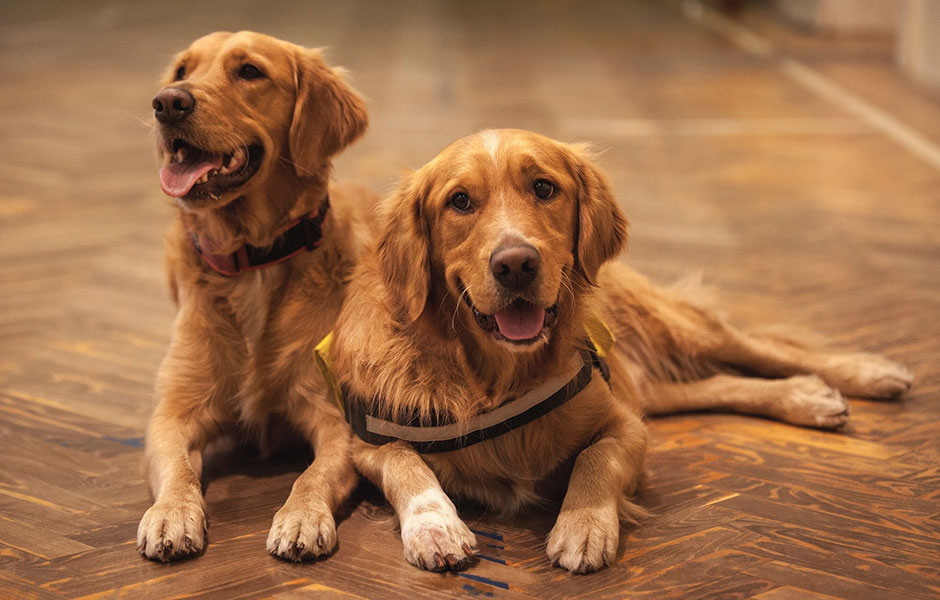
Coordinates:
<point>249,71</point>
<point>461,202</point>
<point>180,73</point>
<point>543,189</point>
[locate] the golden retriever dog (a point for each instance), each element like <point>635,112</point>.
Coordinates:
<point>492,267</point>
<point>257,263</point>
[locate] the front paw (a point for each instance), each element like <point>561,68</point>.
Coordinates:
<point>437,541</point>
<point>869,376</point>
<point>172,529</point>
<point>302,531</point>
<point>584,539</point>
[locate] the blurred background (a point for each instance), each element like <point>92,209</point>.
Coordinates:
<point>787,149</point>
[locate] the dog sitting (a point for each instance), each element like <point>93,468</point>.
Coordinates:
<point>467,352</point>
<point>257,263</point>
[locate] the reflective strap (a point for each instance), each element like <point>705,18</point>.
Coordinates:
<point>446,437</point>
<point>503,413</point>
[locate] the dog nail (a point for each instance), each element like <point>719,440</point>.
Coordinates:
<point>300,546</point>
<point>451,561</point>
<point>439,561</point>
<point>467,549</point>
<point>188,542</point>
<point>320,541</point>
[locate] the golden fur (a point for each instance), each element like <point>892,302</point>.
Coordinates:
<point>407,340</point>
<point>240,357</point>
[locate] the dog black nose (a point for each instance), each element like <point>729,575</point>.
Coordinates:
<point>515,266</point>
<point>172,105</point>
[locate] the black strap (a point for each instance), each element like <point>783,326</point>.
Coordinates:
<point>357,409</point>
<point>307,234</point>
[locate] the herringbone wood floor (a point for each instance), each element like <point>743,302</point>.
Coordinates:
<point>731,158</point>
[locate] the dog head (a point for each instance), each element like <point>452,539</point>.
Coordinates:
<point>509,223</point>
<point>238,110</point>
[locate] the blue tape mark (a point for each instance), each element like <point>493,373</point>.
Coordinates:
<point>497,546</point>
<point>495,536</point>
<point>485,580</point>
<point>491,559</point>
<point>475,592</point>
<point>136,442</point>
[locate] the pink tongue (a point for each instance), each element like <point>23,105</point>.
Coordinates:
<point>177,179</point>
<point>520,321</point>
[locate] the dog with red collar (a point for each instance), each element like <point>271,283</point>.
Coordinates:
<point>257,260</point>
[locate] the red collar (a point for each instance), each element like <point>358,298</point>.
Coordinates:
<point>306,233</point>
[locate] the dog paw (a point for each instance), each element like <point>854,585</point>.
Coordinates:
<point>301,532</point>
<point>869,376</point>
<point>437,541</point>
<point>584,540</point>
<point>808,401</point>
<point>171,530</point>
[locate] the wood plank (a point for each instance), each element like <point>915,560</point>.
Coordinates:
<point>793,593</point>
<point>36,541</point>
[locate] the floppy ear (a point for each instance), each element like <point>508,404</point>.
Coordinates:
<point>328,114</point>
<point>601,226</point>
<point>404,249</point>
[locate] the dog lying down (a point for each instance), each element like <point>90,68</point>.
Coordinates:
<point>467,352</point>
<point>257,262</point>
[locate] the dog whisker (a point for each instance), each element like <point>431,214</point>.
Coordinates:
<point>299,167</point>
<point>567,286</point>
<point>457,310</point>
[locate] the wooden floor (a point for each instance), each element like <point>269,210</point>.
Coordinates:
<point>800,175</point>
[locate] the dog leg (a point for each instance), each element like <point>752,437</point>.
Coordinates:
<point>175,526</point>
<point>304,527</point>
<point>800,400</point>
<point>651,325</point>
<point>585,535</point>
<point>433,536</point>
<point>186,418</point>
<point>853,374</point>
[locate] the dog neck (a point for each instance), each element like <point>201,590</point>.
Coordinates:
<point>304,234</point>
<point>257,218</point>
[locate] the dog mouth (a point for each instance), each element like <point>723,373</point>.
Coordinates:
<point>194,172</point>
<point>520,322</point>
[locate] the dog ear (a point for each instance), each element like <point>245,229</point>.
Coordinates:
<point>601,225</point>
<point>328,114</point>
<point>404,248</point>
